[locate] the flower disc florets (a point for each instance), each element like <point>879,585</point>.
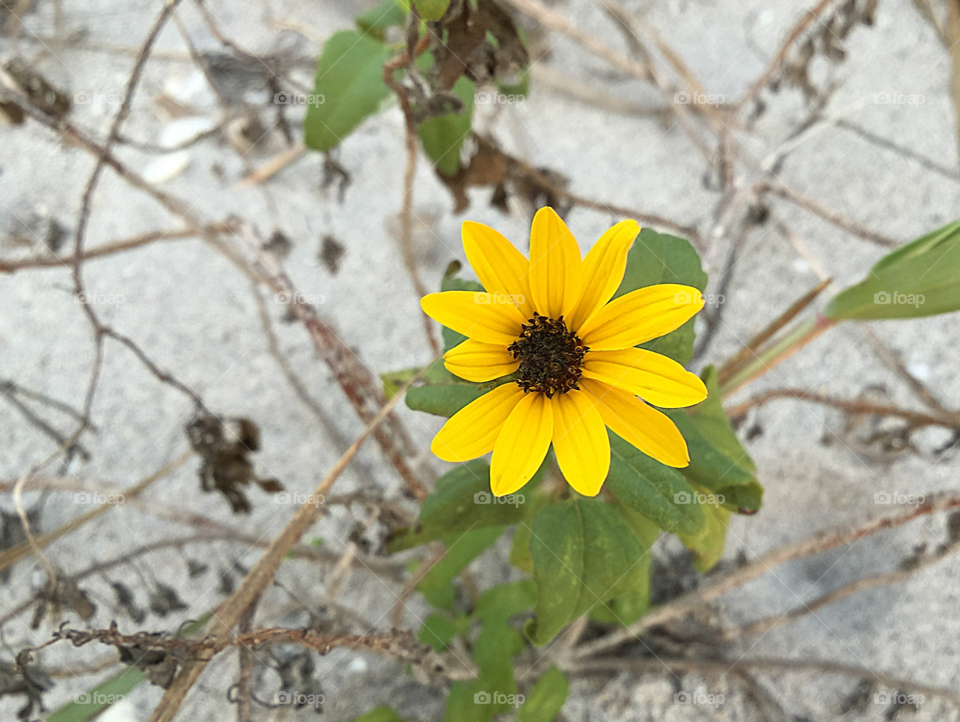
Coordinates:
<point>550,356</point>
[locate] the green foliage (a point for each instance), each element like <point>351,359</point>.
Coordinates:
<point>462,501</point>
<point>443,137</point>
<point>546,698</point>
<point>662,258</point>
<point>436,585</point>
<point>431,10</point>
<point>647,486</point>
<point>377,19</point>
<point>350,80</point>
<point>584,554</point>
<point>717,459</point>
<point>919,279</point>
<point>707,545</point>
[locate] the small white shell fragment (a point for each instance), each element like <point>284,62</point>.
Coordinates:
<point>167,167</point>
<point>357,665</point>
<point>180,131</point>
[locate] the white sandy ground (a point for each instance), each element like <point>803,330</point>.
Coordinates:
<point>194,314</point>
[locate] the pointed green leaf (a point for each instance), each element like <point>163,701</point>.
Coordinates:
<point>443,136</point>
<point>717,459</point>
<point>505,600</point>
<point>438,630</point>
<point>546,698</point>
<point>436,586</point>
<point>431,10</point>
<point>349,81</point>
<point>919,279</point>
<point>377,19</point>
<point>584,554</point>
<point>462,501</point>
<point>649,487</point>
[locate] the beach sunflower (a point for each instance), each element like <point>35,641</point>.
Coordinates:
<point>570,352</point>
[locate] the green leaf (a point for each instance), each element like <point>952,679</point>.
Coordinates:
<point>505,600</point>
<point>919,279</point>
<point>435,375</point>
<point>436,586</point>
<point>377,19</point>
<point>445,400</point>
<point>443,136</point>
<point>462,501</point>
<point>438,630</point>
<point>380,714</point>
<point>431,10</point>
<point>584,554</point>
<point>350,81</point>
<point>662,258</point>
<point>707,546</point>
<point>717,459</point>
<point>629,607</point>
<point>649,487</point>
<point>546,698</point>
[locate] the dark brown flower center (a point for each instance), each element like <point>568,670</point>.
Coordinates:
<point>550,355</point>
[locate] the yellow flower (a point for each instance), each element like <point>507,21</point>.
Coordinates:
<point>548,320</point>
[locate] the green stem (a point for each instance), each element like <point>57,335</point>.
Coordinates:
<point>770,357</point>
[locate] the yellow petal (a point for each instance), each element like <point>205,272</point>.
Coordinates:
<point>473,430</point>
<point>554,265</point>
<point>603,270</point>
<point>501,268</point>
<point>522,444</point>
<point>476,361</point>
<point>640,315</point>
<point>473,315</point>
<point>655,378</point>
<point>580,441</point>
<point>649,430</point>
